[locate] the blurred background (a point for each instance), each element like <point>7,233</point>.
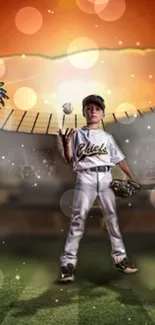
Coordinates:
<point>65,51</point>
<point>37,185</point>
<point>53,52</point>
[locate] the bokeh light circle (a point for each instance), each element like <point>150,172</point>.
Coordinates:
<point>67,199</point>
<point>86,6</point>
<point>87,57</point>
<point>92,6</point>
<point>25,98</point>
<point>28,20</point>
<point>129,109</point>
<point>112,11</point>
<point>99,5</point>
<point>2,68</point>
<point>99,2</point>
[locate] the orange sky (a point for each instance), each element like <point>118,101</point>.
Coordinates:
<point>65,22</point>
<point>39,30</point>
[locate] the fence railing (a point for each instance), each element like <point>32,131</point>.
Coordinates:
<point>49,123</point>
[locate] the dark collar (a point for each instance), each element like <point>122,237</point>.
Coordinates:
<point>87,128</point>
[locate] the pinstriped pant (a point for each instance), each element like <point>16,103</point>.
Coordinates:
<point>89,186</point>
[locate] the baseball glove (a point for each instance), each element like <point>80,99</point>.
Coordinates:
<point>124,188</point>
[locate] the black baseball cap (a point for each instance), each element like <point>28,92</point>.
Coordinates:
<point>94,99</point>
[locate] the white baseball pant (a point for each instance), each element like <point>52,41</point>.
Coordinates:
<point>89,186</point>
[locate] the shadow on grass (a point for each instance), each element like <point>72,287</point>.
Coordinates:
<point>84,295</point>
<point>88,278</point>
<point>94,271</point>
<point>52,298</point>
<point>86,288</point>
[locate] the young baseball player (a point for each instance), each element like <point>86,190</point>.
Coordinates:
<point>93,152</point>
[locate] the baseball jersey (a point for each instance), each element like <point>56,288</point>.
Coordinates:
<point>91,148</point>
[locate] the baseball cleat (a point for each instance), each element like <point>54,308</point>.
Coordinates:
<point>126,266</point>
<point>67,273</point>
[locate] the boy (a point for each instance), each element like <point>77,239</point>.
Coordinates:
<point>92,152</point>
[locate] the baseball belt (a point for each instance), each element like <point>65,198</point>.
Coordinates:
<point>98,169</point>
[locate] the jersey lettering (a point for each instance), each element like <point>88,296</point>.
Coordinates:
<point>88,149</point>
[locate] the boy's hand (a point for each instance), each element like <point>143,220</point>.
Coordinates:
<point>67,136</point>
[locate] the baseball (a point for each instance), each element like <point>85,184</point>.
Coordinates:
<point>67,108</point>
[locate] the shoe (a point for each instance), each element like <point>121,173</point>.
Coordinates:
<point>67,273</point>
<point>126,266</point>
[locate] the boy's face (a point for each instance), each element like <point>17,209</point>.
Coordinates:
<point>93,113</point>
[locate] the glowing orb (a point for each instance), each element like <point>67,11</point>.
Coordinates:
<point>88,55</point>
<point>129,109</point>
<point>28,20</point>
<point>86,6</point>
<point>25,98</point>
<point>67,199</point>
<point>112,11</point>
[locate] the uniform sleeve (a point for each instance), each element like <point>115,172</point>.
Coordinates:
<point>116,155</point>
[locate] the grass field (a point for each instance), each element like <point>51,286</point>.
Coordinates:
<point>30,294</point>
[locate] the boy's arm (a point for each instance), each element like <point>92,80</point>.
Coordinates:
<point>118,158</point>
<point>125,168</point>
<point>66,144</point>
<point>68,153</point>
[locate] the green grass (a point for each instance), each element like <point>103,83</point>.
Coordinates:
<point>100,294</point>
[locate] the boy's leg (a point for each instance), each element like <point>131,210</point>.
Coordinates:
<point>84,197</point>
<point>108,204</point>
